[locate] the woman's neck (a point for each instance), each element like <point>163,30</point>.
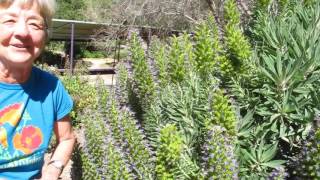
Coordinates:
<point>14,75</point>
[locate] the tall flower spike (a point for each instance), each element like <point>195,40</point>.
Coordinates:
<point>239,50</point>
<point>144,86</point>
<point>219,160</point>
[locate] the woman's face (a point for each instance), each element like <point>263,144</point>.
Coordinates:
<point>22,34</point>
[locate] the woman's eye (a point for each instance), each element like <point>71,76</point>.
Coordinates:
<point>8,22</point>
<point>36,25</point>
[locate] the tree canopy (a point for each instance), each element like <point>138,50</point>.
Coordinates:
<point>70,9</point>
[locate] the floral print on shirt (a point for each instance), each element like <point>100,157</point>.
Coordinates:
<point>25,139</point>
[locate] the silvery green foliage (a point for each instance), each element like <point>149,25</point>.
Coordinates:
<point>100,156</point>
<point>94,131</point>
<point>307,164</point>
<point>185,104</point>
<point>283,94</point>
<point>173,161</point>
<point>262,5</point>
<point>183,100</point>
<point>219,159</point>
<point>258,160</point>
<point>287,58</point>
<point>116,165</point>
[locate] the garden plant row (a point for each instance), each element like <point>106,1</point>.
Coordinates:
<point>223,103</point>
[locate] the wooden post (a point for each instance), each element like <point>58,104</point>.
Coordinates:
<point>71,48</point>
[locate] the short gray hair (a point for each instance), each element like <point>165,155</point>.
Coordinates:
<point>47,7</point>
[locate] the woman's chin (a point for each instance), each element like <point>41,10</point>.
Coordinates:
<point>21,61</point>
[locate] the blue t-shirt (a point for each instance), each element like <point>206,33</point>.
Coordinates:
<point>27,115</point>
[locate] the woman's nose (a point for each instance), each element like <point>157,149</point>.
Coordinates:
<point>21,29</point>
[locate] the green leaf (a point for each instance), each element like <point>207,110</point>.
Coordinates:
<point>248,156</point>
<point>270,153</point>
<point>274,116</point>
<point>274,163</point>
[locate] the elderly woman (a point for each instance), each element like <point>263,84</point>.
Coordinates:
<point>33,103</point>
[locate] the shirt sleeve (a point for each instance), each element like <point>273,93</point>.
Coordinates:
<point>63,100</point>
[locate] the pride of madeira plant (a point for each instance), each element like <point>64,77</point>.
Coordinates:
<point>171,115</point>
<point>284,92</point>
<point>307,163</point>
<point>143,85</point>
<point>239,50</point>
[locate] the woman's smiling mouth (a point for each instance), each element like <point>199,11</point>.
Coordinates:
<point>20,46</point>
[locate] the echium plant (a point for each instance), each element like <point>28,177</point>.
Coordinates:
<point>262,5</point>
<point>238,47</point>
<point>136,146</point>
<point>205,54</point>
<point>168,154</point>
<point>223,113</point>
<point>283,3</point>
<point>180,58</point>
<point>219,160</point>
<point>256,158</point>
<point>257,161</point>
<point>279,173</point>
<point>283,94</point>
<point>115,165</point>
<point>144,85</point>
<point>307,164</point>
<point>83,167</point>
<point>99,156</point>
<point>288,61</point>
<point>271,6</point>
<point>128,133</point>
<point>113,119</point>
<point>122,86</point>
<point>95,131</point>
<point>217,62</point>
<point>159,52</point>
<point>309,2</point>
<point>186,105</point>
